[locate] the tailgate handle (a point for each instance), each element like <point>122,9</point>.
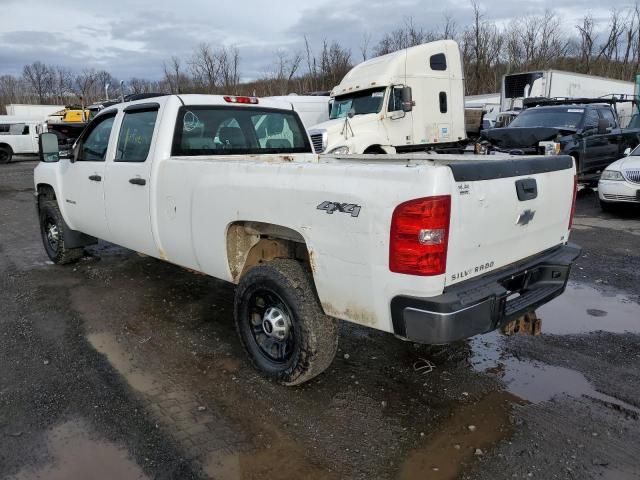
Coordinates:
<point>527,189</point>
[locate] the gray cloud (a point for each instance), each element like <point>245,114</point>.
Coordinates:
<point>133,39</point>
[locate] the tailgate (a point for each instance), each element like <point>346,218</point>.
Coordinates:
<point>506,210</point>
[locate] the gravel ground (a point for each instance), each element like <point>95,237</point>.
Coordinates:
<point>123,366</point>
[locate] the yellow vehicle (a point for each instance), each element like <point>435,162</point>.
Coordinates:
<point>71,114</point>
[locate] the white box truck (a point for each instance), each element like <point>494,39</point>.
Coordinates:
<point>407,101</point>
<point>559,84</point>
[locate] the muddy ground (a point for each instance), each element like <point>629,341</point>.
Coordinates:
<point>123,366</point>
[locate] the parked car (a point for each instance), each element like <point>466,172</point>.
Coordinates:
<point>620,182</point>
<point>18,137</point>
<point>431,248</point>
<point>588,132</point>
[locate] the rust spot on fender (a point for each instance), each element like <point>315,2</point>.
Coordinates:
<point>312,260</point>
<point>163,255</point>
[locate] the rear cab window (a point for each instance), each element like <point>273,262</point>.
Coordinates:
<point>224,130</point>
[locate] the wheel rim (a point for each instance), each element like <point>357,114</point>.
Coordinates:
<point>51,233</point>
<point>271,326</point>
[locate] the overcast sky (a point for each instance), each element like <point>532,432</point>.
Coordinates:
<point>132,38</point>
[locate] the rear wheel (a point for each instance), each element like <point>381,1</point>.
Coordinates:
<point>5,154</point>
<point>53,230</point>
<point>281,323</point>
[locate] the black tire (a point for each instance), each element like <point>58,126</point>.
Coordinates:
<point>311,341</point>
<point>5,154</point>
<point>609,207</point>
<point>53,230</point>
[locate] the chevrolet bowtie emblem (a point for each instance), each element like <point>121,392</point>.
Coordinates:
<point>525,217</point>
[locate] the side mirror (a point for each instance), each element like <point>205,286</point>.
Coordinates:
<point>603,126</point>
<point>627,151</point>
<point>48,147</point>
<point>407,99</point>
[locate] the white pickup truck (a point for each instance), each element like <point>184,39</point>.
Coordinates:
<point>431,248</point>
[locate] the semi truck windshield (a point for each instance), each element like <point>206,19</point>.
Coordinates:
<point>366,101</point>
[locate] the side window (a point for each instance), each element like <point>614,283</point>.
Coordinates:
<point>25,130</point>
<point>443,102</point>
<point>608,115</point>
<point>4,128</point>
<point>93,146</point>
<point>395,100</point>
<point>438,62</point>
<point>135,136</point>
<point>591,119</point>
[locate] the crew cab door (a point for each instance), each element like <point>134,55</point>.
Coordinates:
<point>83,179</point>
<point>127,189</point>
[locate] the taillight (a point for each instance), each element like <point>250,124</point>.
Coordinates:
<point>573,204</point>
<point>420,236</point>
<point>230,99</point>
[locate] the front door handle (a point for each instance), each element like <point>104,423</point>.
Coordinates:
<point>95,178</point>
<point>138,181</point>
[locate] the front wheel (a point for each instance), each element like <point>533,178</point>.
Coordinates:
<point>53,230</point>
<point>281,323</point>
<point>5,154</point>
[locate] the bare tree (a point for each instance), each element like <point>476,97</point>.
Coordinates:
<point>84,82</point>
<point>39,79</point>
<point>364,45</point>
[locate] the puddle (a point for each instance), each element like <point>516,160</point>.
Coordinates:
<point>121,360</point>
<point>531,380</point>
<point>449,450</point>
<point>77,456</point>
<point>584,309</point>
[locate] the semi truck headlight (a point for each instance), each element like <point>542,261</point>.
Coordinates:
<point>611,175</point>
<point>343,150</point>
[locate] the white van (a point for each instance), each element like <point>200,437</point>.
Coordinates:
<point>409,100</point>
<point>18,137</point>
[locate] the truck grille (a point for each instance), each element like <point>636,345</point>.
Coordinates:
<point>632,175</point>
<point>316,140</point>
<point>622,198</point>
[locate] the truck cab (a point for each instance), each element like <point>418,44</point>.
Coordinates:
<point>409,100</point>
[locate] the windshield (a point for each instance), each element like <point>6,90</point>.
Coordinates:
<point>367,101</point>
<point>564,118</point>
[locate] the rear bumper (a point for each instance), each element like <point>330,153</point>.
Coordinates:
<point>481,305</point>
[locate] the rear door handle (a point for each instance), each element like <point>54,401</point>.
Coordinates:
<point>138,181</point>
<point>95,178</point>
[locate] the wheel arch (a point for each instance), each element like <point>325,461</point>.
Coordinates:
<point>375,149</point>
<point>46,191</point>
<point>6,145</point>
<point>250,243</point>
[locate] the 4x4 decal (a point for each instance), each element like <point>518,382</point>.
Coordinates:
<point>331,207</point>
